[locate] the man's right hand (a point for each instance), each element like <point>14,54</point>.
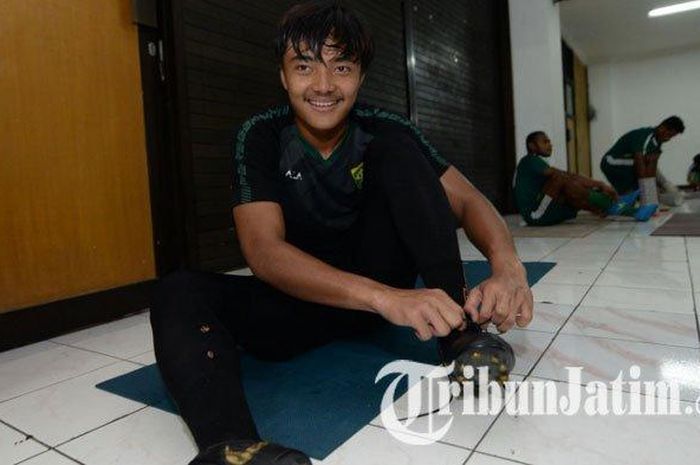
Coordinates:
<point>430,312</point>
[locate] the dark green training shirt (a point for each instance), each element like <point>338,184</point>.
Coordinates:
<point>638,141</point>
<point>320,198</point>
<point>529,181</point>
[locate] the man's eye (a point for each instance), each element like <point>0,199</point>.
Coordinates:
<point>303,68</point>
<point>343,69</point>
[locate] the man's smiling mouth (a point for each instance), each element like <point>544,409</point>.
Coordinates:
<point>323,105</point>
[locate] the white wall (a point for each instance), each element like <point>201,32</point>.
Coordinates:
<point>538,82</point>
<point>632,94</point>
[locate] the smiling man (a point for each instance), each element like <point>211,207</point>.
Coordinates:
<point>338,208</point>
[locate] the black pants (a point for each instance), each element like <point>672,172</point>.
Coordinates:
<point>201,320</point>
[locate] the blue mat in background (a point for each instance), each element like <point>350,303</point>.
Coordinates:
<point>318,400</point>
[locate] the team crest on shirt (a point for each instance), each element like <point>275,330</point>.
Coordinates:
<point>357,174</point>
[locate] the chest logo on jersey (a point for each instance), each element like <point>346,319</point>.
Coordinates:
<point>293,175</point>
<point>357,174</point>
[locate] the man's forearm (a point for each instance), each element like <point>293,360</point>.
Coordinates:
<point>317,281</point>
<point>486,229</point>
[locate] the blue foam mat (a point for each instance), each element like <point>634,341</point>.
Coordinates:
<point>318,400</point>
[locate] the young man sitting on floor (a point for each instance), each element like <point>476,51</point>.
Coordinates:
<point>546,196</point>
<point>338,208</point>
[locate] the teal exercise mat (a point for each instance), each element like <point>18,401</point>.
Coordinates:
<point>318,400</point>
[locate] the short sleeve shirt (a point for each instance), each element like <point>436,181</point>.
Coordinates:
<point>320,197</point>
<point>694,174</point>
<point>638,141</point>
<point>529,181</point>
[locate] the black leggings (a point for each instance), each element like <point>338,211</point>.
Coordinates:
<point>201,320</point>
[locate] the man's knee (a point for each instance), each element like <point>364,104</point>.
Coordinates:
<point>395,152</point>
<point>554,186</point>
<point>575,191</point>
<point>174,289</point>
<point>176,282</point>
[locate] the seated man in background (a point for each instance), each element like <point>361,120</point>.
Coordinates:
<point>547,196</point>
<point>694,173</point>
<point>631,163</point>
<point>669,193</point>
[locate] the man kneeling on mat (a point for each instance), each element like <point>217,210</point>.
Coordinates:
<point>631,163</point>
<point>338,208</point>
<point>546,196</point>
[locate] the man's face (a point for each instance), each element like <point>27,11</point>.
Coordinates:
<point>664,134</point>
<point>321,93</point>
<point>542,145</point>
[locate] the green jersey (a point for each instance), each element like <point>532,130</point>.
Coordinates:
<point>529,181</point>
<point>641,140</point>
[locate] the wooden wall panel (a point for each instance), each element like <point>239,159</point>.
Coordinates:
<point>583,137</point>
<point>74,210</point>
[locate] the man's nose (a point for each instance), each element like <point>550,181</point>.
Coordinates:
<point>324,81</point>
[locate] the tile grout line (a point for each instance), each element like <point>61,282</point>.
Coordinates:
<point>456,446</point>
<point>72,459</point>
<point>618,339</point>
<point>461,447</point>
<point>55,447</point>
<point>648,287</point>
<point>556,248</point>
<point>38,441</point>
<point>101,353</point>
<point>520,462</point>
<point>59,382</point>
<point>551,342</point>
<point>114,420</point>
<point>692,288</point>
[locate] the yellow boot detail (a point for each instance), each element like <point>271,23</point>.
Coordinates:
<point>242,457</point>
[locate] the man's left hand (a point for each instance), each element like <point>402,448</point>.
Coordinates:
<point>504,299</point>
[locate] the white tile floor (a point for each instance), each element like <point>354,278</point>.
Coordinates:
<point>617,296</point>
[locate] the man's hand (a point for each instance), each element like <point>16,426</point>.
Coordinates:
<point>505,300</point>
<point>430,312</point>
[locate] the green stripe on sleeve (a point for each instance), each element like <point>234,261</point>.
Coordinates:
<point>241,170</point>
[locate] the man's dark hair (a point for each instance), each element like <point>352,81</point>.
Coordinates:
<point>696,160</point>
<point>311,23</point>
<point>531,138</point>
<point>674,123</point>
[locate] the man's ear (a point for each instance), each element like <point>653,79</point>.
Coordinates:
<point>283,79</point>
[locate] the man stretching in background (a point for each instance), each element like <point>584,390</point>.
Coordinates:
<point>631,163</point>
<point>547,196</point>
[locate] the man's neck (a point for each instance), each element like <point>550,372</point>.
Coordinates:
<point>324,141</point>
